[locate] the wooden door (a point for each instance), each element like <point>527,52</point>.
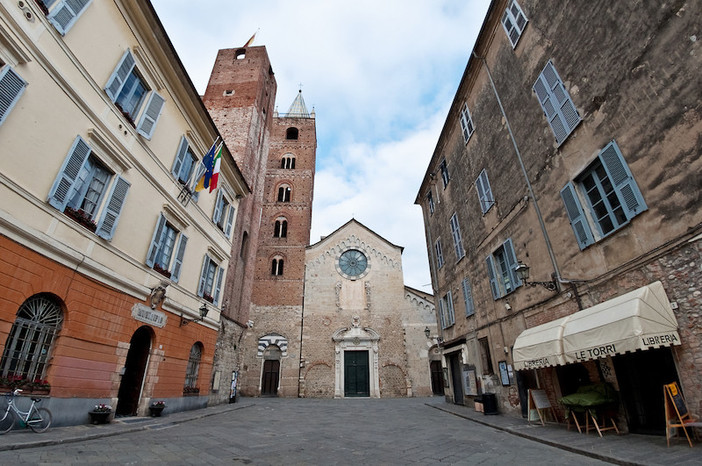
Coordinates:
<point>437,378</point>
<point>456,379</point>
<point>271,370</point>
<point>356,374</point>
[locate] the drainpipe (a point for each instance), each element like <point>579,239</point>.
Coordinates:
<point>556,271</point>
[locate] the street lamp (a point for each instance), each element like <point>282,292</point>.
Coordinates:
<point>523,273</point>
<point>427,332</point>
<point>203,313</point>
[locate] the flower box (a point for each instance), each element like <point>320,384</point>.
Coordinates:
<point>99,417</point>
<point>191,391</point>
<point>208,298</point>
<point>162,271</point>
<point>82,217</point>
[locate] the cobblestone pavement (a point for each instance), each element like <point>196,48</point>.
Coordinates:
<point>305,431</point>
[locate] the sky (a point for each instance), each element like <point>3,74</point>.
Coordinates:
<point>380,74</point>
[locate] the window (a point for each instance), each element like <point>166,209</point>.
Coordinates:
<point>500,266</point>
<point>277,266</point>
<point>11,88</point>
<point>184,163</point>
<point>609,190</point>
<point>514,21</point>
<point>30,341</point>
<point>64,15</point>
<point>555,101</point>
<point>162,247</point>
<point>485,356</point>
<point>457,240</point>
<point>129,91</point>
<point>439,254</point>
<point>81,186</point>
<point>430,202</point>
<point>466,123</point>
<point>482,186</point>
<point>209,288</point>
<point>193,367</point>
<point>444,173</point>
<point>223,215</point>
<point>284,193</point>
<point>468,297</point>
<point>448,317</point>
<point>291,133</point>
<point>288,162</point>
<point>280,229</point>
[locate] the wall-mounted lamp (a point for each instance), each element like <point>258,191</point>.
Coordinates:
<point>203,313</point>
<point>523,273</point>
<point>427,332</point>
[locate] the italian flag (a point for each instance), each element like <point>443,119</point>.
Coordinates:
<point>215,170</point>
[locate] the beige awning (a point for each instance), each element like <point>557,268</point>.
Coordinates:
<point>639,320</point>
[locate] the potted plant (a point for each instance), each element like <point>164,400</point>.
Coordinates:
<point>40,387</point>
<point>100,414</point>
<point>156,408</point>
<point>191,391</point>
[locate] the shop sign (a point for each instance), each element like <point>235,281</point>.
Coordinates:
<point>596,352</point>
<point>536,363</point>
<point>147,315</point>
<point>656,340</point>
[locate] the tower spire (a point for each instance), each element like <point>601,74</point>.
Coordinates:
<point>298,107</point>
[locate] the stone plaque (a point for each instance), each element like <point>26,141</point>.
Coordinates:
<point>150,316</point>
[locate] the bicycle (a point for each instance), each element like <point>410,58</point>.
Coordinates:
<point>37,419</point>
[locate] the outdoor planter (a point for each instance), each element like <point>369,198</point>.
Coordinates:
<point>155,410</point>
<point>99,417</point>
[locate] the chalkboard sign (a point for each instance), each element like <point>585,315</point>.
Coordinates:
<point>676,397</point>
<point>540,399</point>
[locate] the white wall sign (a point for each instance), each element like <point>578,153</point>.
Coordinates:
<point>150,316</point>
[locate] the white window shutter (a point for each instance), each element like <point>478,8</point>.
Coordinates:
<point>113,209</point>
<point>72,165</point>
<point>11,88</point>
<point>148,120</point>
<point>116,81</point>
<point>178,264</point>
<point>156,240</point>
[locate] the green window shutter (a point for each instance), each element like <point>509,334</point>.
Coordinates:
<point>218,286</point>
<point>113,209</point>
<point>148,120</point>
<point>116,81</point>
<point>178,264</point>
<point>180,157</point>
<point>156,240</point>
<point>578,221</point>
<point>511,259</point>
<point>494,287</point>
<point>622,180</point>
<point>66,14</point>
<point>66,179</point>
<point>11,88</point>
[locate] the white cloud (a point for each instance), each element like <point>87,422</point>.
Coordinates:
<point>380,75</point>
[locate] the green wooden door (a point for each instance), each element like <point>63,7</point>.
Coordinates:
<point>356,374</point>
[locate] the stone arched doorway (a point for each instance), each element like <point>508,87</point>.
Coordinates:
<point>134,370</point>
<point>356,365</point>
<point>272,348</point>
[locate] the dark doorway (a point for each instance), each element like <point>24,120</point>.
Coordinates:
<point>641,377</point>
<point>271,371</point>
<point>526,380</point>
<point>573,376</point>
<point>456,381</point>
<point>437,378</point>
<point>134,370</point>
<point>356,375</point>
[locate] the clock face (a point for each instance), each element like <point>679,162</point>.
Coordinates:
<point>353,263</point>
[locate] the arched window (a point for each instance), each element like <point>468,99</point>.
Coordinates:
<point>291,133</point>
<point>193,367</point>
<point>30,341</point>
<point>277,266</point>
<point>244,245</point>
<point>288,161</point>
<point>284,193</point>
<point>281,228</point>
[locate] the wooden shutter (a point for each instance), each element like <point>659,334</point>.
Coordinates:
<point>511,259</point>
<point>156,240</point>
<point>218,207</point>
<point>218,286</point>
<point>66,14</point>
<point>484,192</point>
<point>578,221</point>
<point>468,298</point>
<point>496,293</point>
<point>119,75</point>
<point>180,157</point>
<point>230,222</point>
<point>449,306</point>
<point>556,103</point>
<point>203,276</point>
<point>72,165</point>
<point>178,264</point>
<point>11,88</point>
<point>622,180</point>
<point>113,209</point>
<point>148,120</point>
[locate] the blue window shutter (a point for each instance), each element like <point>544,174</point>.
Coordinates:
<point>66,14</point>
<point>180,157</point>
<point>491,275</point>
<point>11,88</point>
<point>116,81</point>
<point>442,320</point>
<point>556,103</point>
<point>622,180</point>
<point>218,207</point>
<point>72,165</point>
<point>511,259</point>
<point>203,275</point>
<point>113,209</point>
<point>484,192</point>
<point>577,218</point>
<point>148,120</point>
<point>156,240</point>
<point>468,298</point>
<point>230,222</point>
<point>178,264</point>
<point>449,305</point>
<point>218,286</point>
<point>48,3</point>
